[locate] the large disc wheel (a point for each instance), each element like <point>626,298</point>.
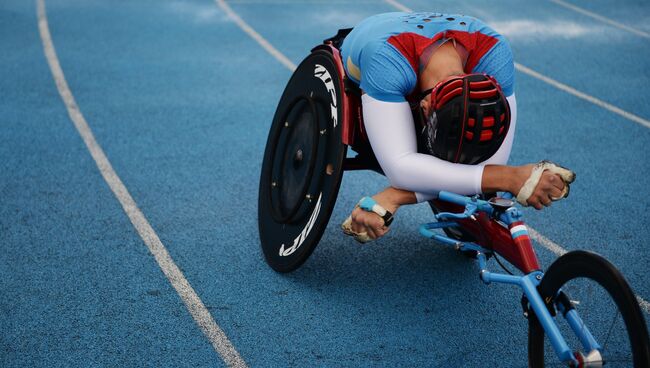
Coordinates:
<point>596,290</point>
<point>303,161</point>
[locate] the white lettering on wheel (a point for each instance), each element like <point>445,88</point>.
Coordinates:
<point>297,242</point>
<point>322,73</point>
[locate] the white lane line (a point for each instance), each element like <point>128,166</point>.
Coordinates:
<point>197,309</point>
<point>558,85</point>
<point>256,36</point>
<point>302,2</point>
<point>607,106</point>
<point>547,243</point>
<point>558,250</point>
<point>399,6</point>
<point>644,304</point>
<point>601,18</point>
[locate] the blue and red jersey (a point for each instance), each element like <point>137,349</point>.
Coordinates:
<point>382,53</point>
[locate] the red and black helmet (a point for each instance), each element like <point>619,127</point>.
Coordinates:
<point>468,119</point>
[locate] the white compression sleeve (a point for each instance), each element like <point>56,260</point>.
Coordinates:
<point>392,135</point>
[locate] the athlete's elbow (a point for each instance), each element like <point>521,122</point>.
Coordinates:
<point>398,177</point>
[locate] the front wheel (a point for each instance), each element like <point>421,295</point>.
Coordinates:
<point>596,290</point>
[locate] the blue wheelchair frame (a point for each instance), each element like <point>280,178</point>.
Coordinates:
<point>507,215</point>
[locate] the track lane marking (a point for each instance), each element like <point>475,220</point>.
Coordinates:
<point>256,36</point>
<point>544,241</point>
<point>598,102</point>
<point>602,18</point>
<point>195,306</point>
<point>399,6</point>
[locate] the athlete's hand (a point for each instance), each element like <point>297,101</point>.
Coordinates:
<point>550,186</point>
<point>368,222</point>
<point>364,224</point>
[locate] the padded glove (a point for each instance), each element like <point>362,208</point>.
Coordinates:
<point>529,186</point>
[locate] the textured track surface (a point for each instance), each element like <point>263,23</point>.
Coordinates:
<point>181,99</point>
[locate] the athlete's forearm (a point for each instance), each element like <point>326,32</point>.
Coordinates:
<point>392,136</point>
<point>503,178</point>
<point>496,178</point>
<point>392,198</point>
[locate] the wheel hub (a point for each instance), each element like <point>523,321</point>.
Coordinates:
<point>297,158</point>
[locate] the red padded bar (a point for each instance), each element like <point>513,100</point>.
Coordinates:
<point>481,84</point>
<point>479,95</point>
<point>486,135</point>
<point>449,96</point>
<point>458,83</point>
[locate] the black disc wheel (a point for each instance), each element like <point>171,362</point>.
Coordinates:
<point>303,164</point>
<point>597,291</point>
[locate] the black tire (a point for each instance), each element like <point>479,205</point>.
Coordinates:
<point>607,305</point>
<point>303,164</point>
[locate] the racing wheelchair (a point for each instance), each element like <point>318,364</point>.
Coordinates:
<point>317,119</point>
<point>581,312</point>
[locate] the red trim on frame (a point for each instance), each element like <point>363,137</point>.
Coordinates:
<point>493,235</point>
<point>350,104</point>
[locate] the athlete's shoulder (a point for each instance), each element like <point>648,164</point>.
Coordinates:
<point>498,62</point>
<point>387,75</point>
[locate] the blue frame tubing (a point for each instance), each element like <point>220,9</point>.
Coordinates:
<point>528,282</point>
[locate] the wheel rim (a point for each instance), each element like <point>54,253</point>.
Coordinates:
<point>607,306</point>
<point>601,318</point>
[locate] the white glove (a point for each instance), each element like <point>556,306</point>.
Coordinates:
<point>346,226</point>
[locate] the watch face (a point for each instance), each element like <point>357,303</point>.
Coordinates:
<point>501,202</point>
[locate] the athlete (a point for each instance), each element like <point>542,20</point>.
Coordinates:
<point>460,73</point>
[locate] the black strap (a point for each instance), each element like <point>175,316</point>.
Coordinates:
<point>388,218</point>
<point>337,39</point>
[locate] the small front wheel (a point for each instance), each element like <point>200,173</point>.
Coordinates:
<point>605,303</point>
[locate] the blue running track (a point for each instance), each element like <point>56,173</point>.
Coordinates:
<point>181,99</point>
